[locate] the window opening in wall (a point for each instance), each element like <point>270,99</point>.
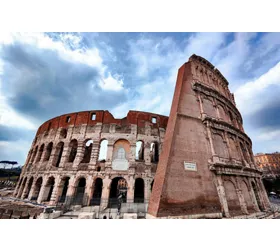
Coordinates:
<point>68,118</point>
<point>154,120</point>
<point>103,150</point>
<point>154,152</point>
<point>88,150</point>
<point>73,150</point>
<point>93,116</point>
<point>49,151</point>
<point>121,153</point>
<point>139,154</point>
<point>63,133</point>
<point>58,154</point>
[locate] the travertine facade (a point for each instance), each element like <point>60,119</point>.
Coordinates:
<point>206,168</point>
<point>68,162</point>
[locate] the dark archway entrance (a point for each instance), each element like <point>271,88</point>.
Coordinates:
<point>64,184</point>
<point>256,193</point>
<point>80,192</point>
<point>118,186</point>
<point>139,190</point>
<point>37,189</point>
<point>97,192</point>
<point>48,189</point>
<point>28,188</point>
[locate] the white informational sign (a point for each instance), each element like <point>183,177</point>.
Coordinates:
<point>191,166</point>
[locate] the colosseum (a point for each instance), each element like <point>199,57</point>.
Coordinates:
<point>201,160</point>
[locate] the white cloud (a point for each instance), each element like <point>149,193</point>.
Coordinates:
<point>111,83</point>
<point>252,96</point>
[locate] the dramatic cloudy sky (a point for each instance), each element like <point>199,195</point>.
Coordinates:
<point>46,75</point>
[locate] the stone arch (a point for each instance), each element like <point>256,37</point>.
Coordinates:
<point>58,154</point>
<point>48,189</point>
<point>232,198</point>
<point>257,195</point>
<point>118,187</point>
<point>233,148</point>
<point>37,188</point>
<point>121,151</point>
<point>29,157</point>
<point>48,151</point>
<point>139,191</point>
<point>208,107</point>
<point>80,188</point>
<point>63,188</point>
<point>220,146</point>
<point>247,197</point>
<point>222,112</point>
<point>244,152</point>
<point>27,191</point>
<point>34,154</point>
<point>22,187</point>
<point>97,192</point>
<point>103,148</point>
<point>87,150</point>
<point>139,154</point>
<point>73,150</point>
<point>154,152</point>
<point>41,150</point>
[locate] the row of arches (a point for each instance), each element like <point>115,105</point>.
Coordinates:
<point>61,192</point>
<point>251,197</point>
<point>227,145</point>
<point>216,109</point>
<point>121,150</point>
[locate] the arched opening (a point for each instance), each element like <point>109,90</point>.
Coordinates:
<point>28,188</point>
<point>256,193</point>
<point>103,150</point>
<point>29,157</point>
<point>48,189</point>
<point>37,189</point>
<point>73,150</point>
<point>87,153</point>
<point>139,154</point>
<point>121,152</point>
<point>48,151</point>
<point>58,154</point>
<point>209,108</point>
<point>220,146</point>
<point>22,187</point>
<point>247,197</point>
<point>244,152</point>
<point>154,153</point>
<point>232,199</point>
<point>97,192</point>
<point>139,190</point>
<point>63,133</point>
<point>41,150</point>
<point>63,189</point>
<point>118,190</point>
<point>80,192</point>
<point>34,154</point>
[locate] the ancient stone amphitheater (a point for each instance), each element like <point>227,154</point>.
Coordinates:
<point>206,165</point>
<point>84,157</point>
